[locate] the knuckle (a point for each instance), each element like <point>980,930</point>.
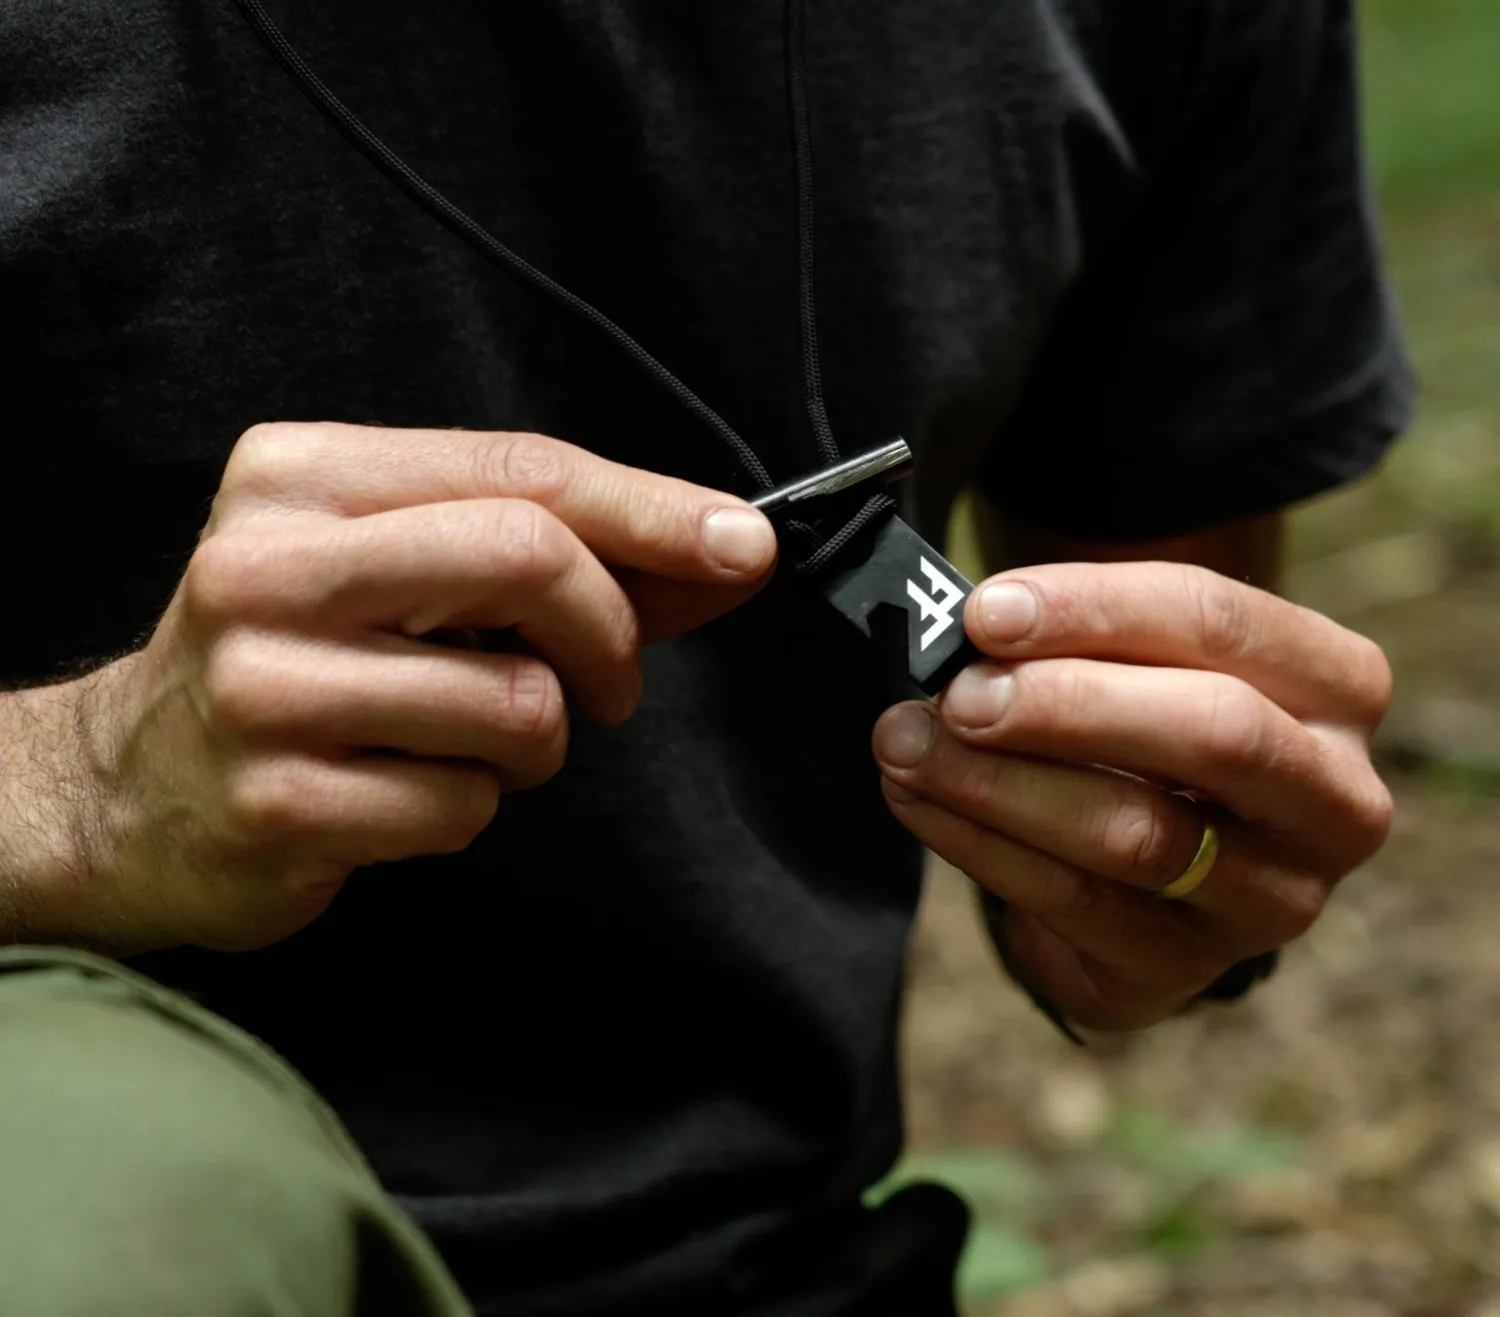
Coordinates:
<point>269,805</point>
<point>623,639</point>
<point>471,809</point>
<point>1224,623</point>
<point>1108,1003</point>
<point>232,577</point>
<point>1361,809</point>
<point>652,514</point>
<point>529,545</point>
<point>1136,836</point>
<point>965,776</point>
<point>211,586</point>
<point>635,690</point>
<point>1372,812</point>
<point>239,689</point>
<point>256,450</point>
<point>528,466</point>
<point>1372,684</point>
<point>1295,905</point>
<point>1234,729</point>
<point>1051,693</point>
<point>1075,894</point>
<point>265,454</point>
<point>531,701</point>
<point>1115,1001</point>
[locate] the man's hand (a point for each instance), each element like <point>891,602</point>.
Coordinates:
<point>317,696</point>
<point>1047,776</point>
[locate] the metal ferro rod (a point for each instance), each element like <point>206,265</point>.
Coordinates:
<point>890,461</point>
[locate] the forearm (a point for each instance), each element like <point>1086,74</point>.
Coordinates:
<point>43,810</point>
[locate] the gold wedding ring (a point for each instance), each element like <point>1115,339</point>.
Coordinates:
<point>1191,878</point>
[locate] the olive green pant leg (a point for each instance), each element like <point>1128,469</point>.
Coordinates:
<point>155,1161</point>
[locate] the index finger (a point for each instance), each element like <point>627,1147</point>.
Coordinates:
<point>1175,615</point>
<point>628,517</point>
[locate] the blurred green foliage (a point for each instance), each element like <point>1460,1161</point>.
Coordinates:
<point>1432,107</point>
<point>1432,78</point>
<point>1432,95</point>
<point>1164,1175</point>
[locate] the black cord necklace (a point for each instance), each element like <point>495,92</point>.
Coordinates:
<point>897,556</point>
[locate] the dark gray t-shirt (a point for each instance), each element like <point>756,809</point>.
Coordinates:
<point>633,1051</point>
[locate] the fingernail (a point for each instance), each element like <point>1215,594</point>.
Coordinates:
<point>904,734</point>
<point>978,696</point>
<point>739,540</point>
<point>1006,612</point>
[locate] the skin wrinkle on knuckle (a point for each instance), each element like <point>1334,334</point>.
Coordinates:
<point>1076,894</point>
<point>1233,733</point>
<point>1065,607</point>
<point>1052,694</point>
<point>652,516</point>
<point>530,701</point>
<point>1138,837</point>
<point>1225,625</point>
<point>528,547</point>
<point>964,776</point>
<point>525,466</point>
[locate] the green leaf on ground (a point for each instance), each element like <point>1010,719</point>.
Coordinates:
<point>1188,1158</point>
<point>999,1260</point>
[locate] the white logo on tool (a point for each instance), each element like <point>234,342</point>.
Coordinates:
<point>939,610</point>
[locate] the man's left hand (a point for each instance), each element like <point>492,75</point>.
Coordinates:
<point>1048,775</point>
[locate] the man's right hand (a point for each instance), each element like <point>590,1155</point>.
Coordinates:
<point>308,703</point>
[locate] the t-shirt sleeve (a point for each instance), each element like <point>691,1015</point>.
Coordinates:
<point>1233,349</point>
